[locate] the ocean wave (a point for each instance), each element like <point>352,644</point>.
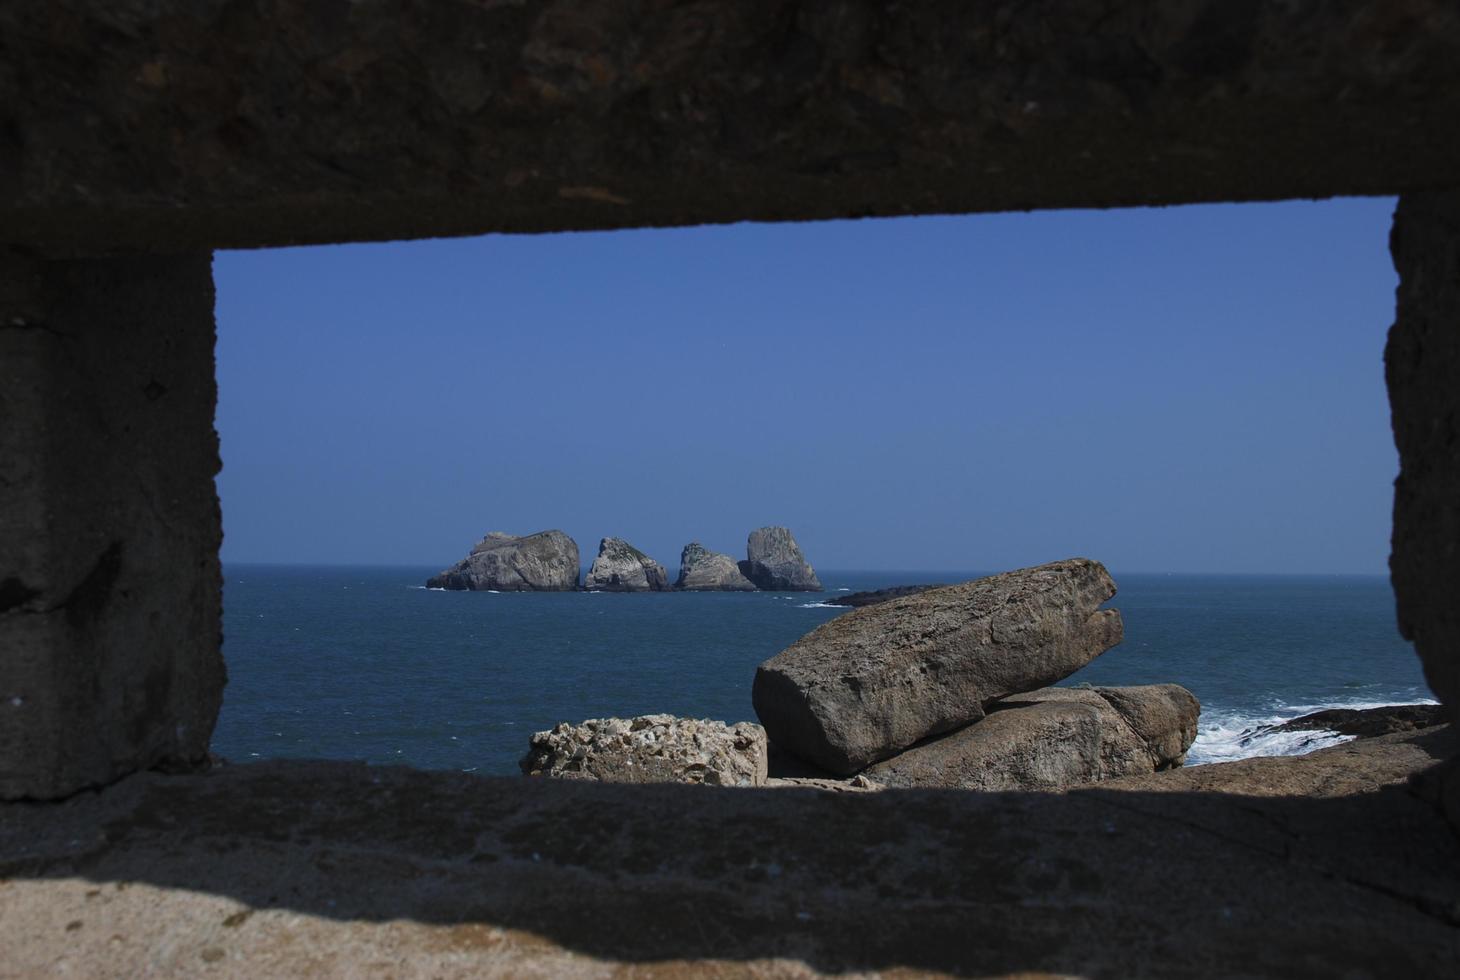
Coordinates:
<point>818,605</point>
<point>1225,735</point>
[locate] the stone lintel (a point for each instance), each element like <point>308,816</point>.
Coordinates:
<point>188,124</point>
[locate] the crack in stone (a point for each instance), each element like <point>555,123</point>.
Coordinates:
<point>1426,907</point>
<point>20,324</point>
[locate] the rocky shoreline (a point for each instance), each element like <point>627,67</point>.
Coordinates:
<point>548,562</point>
<point>948,687</point>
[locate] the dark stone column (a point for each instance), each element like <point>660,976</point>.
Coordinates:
<point>1422,366</point>
<point>110,590</point>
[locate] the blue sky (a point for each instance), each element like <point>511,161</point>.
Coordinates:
<point>1194,389</point>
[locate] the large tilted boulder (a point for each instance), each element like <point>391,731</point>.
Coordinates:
<point>651,749</point>
<point>703,570</point>
<point>867,685</point>
<point>620,567</point>
<point>773,561</point>
<point>543,562</point>
<point>1054,738</point>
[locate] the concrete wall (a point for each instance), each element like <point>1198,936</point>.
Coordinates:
<point>166,128</point>
<point>109,527</point>
<point>170,125</point>
<point>1422,366</point>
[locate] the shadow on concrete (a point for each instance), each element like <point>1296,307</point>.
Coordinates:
<point>1098,881</point>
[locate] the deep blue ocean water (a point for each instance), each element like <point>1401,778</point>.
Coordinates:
<point>366,664</point>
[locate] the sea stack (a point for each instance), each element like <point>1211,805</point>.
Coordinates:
<point>703,570</point>
<point>620,567</point>
<point>866,685</point>
<point>543,562</point>
<point>773,561</point>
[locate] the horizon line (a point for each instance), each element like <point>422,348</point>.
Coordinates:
<point>276,563</point>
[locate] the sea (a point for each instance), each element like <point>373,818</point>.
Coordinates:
<point>367,664</point>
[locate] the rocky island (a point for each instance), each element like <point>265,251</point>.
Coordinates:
<point>543,562</point>
<point>773,561</point>
<point>703,570</point>
<point>620,567</point>
<point>548,562</point>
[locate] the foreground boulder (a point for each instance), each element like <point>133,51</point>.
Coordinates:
<point>703,570</point>
<point>773,561</point>
<point>1053,739</point>
<point>543,562</point>
<point>867,685</point>
<point>620,567</point>
<point>651,749</point>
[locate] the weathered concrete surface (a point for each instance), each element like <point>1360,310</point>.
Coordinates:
<point>332,869</point>
<point>868,684</point>
<point>109,527</point>
<point>1422,368</point>
<point>184,124</point>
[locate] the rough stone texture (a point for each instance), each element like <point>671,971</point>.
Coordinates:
<point>870,683</point>
<point>180,124</point>
<point>1262,868</point>
<point>109,528</point>
<point>651,749</point>
<point>543,562</point>
<point>703,570</point>
<point>857,600</point>
<point>1163,715</point>
<point>1367,722</point>
<point>1055,738</point>
<point>620,567</point>
<point>773,561</point>
<point>1422,365</point>
<point>1043,746</point>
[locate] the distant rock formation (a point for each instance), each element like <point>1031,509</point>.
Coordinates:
<point>773,561</point>
<point>703,570</point>
<point>651,749</point>
<point>859,599</point>
<point>1055,738</point>
<point>543,562</point>
<point>867,685</point>
<point>1367,722</point>
<point>620,567</point>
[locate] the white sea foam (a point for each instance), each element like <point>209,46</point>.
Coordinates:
<point>1224,735</point>
<point>818,605</point>
<point>844,590</point>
